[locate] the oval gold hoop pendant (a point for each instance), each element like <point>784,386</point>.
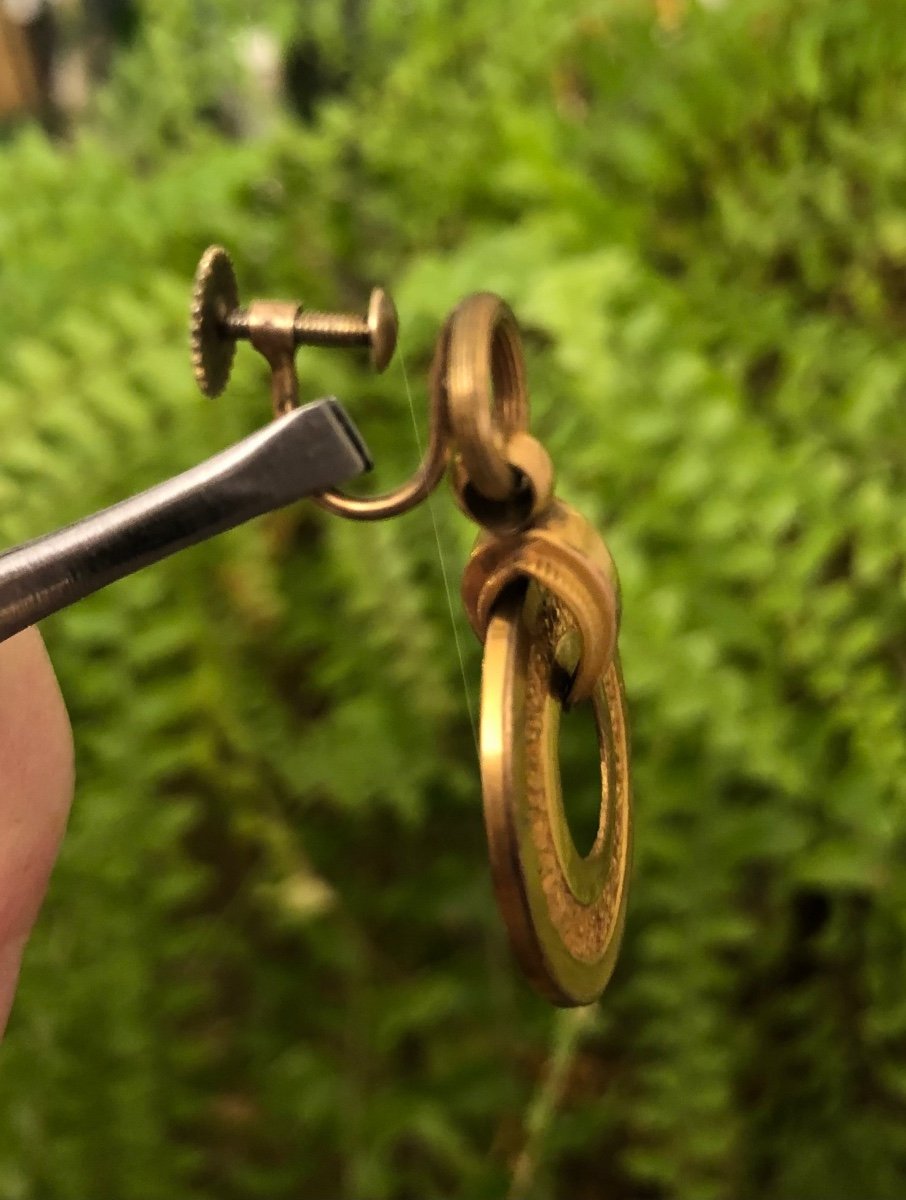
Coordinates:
<point>564,912</point>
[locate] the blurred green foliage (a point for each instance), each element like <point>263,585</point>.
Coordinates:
<point>270,965</point>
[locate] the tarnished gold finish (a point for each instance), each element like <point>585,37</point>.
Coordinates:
<point>275,328</point>
<point>485,372</point>
<point>564,912</point>
<point>270,327</point>
<point>378,330</point>
<point>565,555</point>
<point>430,470</point>
<point>531,489</point>
<point>478,417</point>
<point>540,589</point>
<point>214,297</point>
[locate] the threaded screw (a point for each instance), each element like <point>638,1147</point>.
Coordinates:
<point>377,330</point>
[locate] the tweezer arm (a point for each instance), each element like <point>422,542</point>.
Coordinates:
<point>307,450</point>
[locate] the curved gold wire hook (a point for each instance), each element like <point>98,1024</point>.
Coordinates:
<point>430,470</point>
<point>478,369</point>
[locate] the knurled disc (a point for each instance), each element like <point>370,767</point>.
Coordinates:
<point>214,296</point>
<point>564,912</point>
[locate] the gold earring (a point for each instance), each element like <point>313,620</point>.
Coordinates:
<point>541,592</point>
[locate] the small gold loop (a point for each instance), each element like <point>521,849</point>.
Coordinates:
<point>564,912</point>
<point>485,373</point>
<point>565,555</point>
<point>534,472</point>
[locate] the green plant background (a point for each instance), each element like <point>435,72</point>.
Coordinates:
<point>270,964</point>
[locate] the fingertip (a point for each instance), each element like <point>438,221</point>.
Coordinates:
<point>36,785</point>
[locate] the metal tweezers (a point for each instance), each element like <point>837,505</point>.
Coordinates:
<point>304,452</point>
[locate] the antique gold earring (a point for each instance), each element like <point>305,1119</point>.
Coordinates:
<point>542,594</point>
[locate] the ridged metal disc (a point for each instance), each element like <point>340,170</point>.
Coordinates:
<point>215,294</point>
<point>564,912</point>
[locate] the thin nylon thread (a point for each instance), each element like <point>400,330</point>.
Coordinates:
<point>440,555</point>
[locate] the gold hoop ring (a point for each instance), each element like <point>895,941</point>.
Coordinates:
<point>485,375</point>
<point>564,912</point>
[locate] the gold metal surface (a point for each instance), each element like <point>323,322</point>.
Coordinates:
<point>430,470</point>
<point>564,554</point>
<point>540,589</point>
<point>564,912</point>
<point>542,592</point>
<point>485,372</point>
<point>214,296</point>
<point>532,488</point>
<point>478,413</point>
<point>378,330</point>
<point>270,327</point>
<point>276,328</point>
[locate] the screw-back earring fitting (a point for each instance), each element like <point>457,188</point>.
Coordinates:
<point>276,329</point>
<point>541,592</point>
